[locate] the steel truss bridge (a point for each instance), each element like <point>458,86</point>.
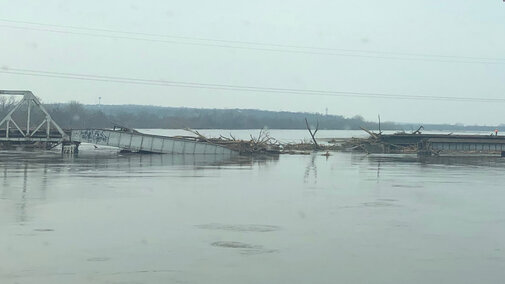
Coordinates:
<point>18,130</point>
<point>42,134</point>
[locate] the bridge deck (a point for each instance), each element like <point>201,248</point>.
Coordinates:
<point>15,135</point>
<point>38,140</point>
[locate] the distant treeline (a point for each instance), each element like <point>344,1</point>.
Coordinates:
<point>76,115</point>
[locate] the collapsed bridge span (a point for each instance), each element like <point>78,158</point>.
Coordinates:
<point>434,144</point>
<point>134,141</point>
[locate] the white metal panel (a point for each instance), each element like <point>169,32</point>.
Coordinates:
<point>157,144</point>
<point>113,139</point>
<point>136,142</point>
<point>178,147</point>
<point>200,148</point>
<point>147,143</point>
<point>167,146</point>
<point>124,141</point>
<point>190,148</point>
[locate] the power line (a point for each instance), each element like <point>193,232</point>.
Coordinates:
<point>246,42</point>
<point>388,55</point>
<point>238,41</point>
<point>241,88</point>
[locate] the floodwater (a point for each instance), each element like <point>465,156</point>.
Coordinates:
<point>103,217</point>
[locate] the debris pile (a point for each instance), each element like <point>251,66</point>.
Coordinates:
<point>305,147</point>
<point>263,144</point>
<point>400,142</point>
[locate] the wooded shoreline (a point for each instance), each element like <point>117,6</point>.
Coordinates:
<point>75,115</point>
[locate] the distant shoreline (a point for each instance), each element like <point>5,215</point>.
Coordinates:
<point>76,115</point>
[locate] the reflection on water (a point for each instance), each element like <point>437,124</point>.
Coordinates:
<point>45,164</point>
<point>42,169</point>
<point>104,217</point>
<point>113,159</point>
<point>484,161</point>
<point>311,169</point>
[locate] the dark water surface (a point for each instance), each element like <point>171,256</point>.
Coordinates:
<point>348,218</point>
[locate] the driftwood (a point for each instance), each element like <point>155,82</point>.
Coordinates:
<point>307,147</point>
<point>263,144</point>
<point>372,145</point>
<point>418,131</point>
<point>380,131</point>
<point>375,136</point>
<point>313,134</point>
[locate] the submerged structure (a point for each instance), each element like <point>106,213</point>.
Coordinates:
<point>434,144</point>
<point>134,141</point>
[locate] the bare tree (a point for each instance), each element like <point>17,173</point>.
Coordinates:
<point>313,134</point>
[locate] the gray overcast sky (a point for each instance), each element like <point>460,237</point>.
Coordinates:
<point>456,28</point>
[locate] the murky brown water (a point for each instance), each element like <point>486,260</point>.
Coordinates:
<point>348,218</point>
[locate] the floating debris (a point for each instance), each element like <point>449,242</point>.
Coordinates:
<point>239,245</point>
<point>44,230</point>
<point>246,249</point>
<point>98,259</point>
<point>239,228</point>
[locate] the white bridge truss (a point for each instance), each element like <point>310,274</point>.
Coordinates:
<point>42,132</point>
